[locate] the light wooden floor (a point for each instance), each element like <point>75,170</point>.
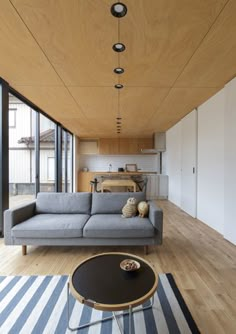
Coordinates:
<point>201,261</point>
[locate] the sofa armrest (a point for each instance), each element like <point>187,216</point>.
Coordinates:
<point>16,216</point>
<point>156,218</point>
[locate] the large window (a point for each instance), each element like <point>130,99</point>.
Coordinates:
<point>47,173</point>
<point>21,152</point>
<point>69,163</point>
<point>32,147</point>
<point>66,161</point>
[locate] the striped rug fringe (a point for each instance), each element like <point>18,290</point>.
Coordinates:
<point>38,304</point>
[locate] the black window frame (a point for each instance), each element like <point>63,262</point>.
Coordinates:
<point>5,90</point>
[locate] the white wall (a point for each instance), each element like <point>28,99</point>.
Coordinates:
<point>188,163</point>
<point>173,163</point>
<point>230,162</point>
<point>210,199</point>
<point>216,155</point>
<point>100,163</point>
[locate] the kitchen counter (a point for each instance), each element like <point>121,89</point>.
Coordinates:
<point>157,186</point>
<point>124,173</point>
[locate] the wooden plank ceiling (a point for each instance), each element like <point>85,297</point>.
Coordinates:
<point>59,55</point>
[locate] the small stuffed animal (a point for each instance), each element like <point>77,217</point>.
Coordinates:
<point>143,209</point>
<point>130,208</point>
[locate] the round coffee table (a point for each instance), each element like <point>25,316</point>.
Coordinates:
<point>99,282</point>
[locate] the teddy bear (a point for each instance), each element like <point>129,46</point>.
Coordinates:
<point>130,208</point>
<point>143,209</point>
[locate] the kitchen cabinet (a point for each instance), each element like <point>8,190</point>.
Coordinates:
<point>128,146</point>
<point>145,143</point>
<point>162,186</point>
<point>157,186</point>
<point>84,179</point>
<point>109,146</point>
<point>124,145</point>
<point>88,146</point>
<point>151,192</point>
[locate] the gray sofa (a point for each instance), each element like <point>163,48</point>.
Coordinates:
<point>81,219</point>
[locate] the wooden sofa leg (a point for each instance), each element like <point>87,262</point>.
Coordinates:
<point>24,249</point>
<point>145,250</point>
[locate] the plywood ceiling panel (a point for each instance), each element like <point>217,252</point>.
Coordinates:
<point>77,37</point>
<point>214,64</point>
<point>97,102</point>
<point>161,36</point>
<point>59,55</point>
<point>22,62</point>
<point>139,103</point>
<point>56,100</point>
<point>177,105</point>
<point>103,127</point>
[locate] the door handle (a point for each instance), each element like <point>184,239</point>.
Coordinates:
<point>193,170</point>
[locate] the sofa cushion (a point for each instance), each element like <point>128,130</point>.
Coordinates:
<point>114,226</point>
<point>112,202</point>
<point>51,226</point>
<point>63,203</point>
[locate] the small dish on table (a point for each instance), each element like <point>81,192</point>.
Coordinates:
<point>129,265</point>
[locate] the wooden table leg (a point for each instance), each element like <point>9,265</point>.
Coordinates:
<point>24,249</point>
<point>146,250</point>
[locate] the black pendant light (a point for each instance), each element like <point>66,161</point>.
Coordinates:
<point>118,9</point>
<point>118,86</point>
<point>119,70</point>
<point>118,47</point>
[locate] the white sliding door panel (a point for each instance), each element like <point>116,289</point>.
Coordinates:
<point>189,164</point>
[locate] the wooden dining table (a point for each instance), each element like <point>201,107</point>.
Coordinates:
<point>118,183</point>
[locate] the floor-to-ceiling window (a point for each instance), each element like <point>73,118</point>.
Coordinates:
<point>47,175</point>
<point>69,162</point>
<point>66,161</point>
<point>31,151</point>
<point>21,129</point>
<point>64,157</point>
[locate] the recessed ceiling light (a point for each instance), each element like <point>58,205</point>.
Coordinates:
<point>118,86</point>
<point>118,9</point>
<point>119,70</point>
<point>118,47</point>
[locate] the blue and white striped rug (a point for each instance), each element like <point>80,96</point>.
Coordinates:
<point>37,304</point>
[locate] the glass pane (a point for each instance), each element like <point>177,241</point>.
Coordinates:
<point>66,161</point>
<point>47,154</point>
<point>63,161</point>
<point>69,162</point>
<point>21,152</point>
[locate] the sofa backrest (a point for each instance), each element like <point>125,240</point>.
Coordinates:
<point>112,202</point>
<point>63,203</point>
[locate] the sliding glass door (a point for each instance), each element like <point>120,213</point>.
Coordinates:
<point>47,155</point>
<point>35,151</point>
<point>66,161</point>
<point>21,129</point>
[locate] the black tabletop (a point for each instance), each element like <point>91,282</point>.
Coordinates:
<point>102,280</point>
